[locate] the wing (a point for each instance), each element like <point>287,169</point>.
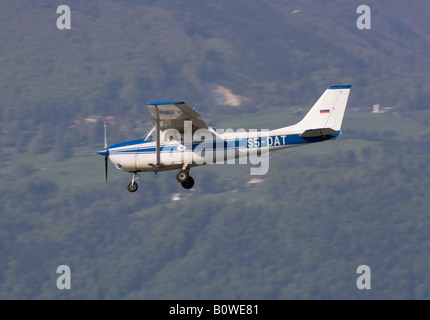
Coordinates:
<point>172,115</point>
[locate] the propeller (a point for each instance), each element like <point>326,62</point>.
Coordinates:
<point>106,155</point>
<point>106,167</point>
<point>105,152</point>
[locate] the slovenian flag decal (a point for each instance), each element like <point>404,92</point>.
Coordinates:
<point>325,111</point>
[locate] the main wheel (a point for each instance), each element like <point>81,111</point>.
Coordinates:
<point>132,187</point>
<point>188,184</point>
<point>182,175</point>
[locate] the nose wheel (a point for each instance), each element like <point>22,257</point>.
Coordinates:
<point>132,185</point>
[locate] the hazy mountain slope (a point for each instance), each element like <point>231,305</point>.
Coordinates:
<point>119,55</point>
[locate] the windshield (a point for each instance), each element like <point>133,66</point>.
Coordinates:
<point>151,135</point>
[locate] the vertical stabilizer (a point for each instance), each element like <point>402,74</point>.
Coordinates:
<point>328,111</point>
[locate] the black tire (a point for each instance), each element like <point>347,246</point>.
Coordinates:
<point>188,184</point>
<point>182,175</point>
<point>132,187</point>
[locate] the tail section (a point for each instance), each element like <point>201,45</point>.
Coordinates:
<point>326,115</point>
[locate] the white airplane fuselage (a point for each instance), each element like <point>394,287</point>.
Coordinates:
<point>140,155</point>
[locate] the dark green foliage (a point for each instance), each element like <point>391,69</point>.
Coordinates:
<point>299,235</point>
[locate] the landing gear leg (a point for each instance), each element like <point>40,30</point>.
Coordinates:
<point>132,185</point>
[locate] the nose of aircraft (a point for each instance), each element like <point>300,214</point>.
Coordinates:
<point>103,152</point>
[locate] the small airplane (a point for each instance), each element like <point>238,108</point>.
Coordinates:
<point>179,143</point>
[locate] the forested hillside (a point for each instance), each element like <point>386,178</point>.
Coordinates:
<point>298,232</point>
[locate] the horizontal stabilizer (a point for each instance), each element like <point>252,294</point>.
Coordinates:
<point>312,133</point>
